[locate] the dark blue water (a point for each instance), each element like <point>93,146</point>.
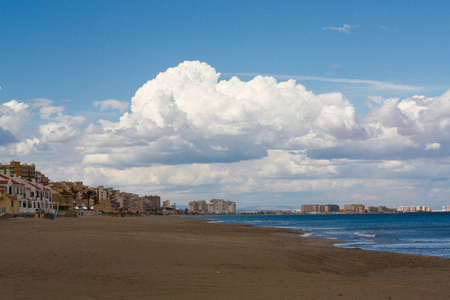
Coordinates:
<point>413,233</point>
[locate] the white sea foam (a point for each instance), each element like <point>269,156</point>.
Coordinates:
<point>353,244</point>
<point>365,234</point>
<point>307,234</point>
<point>215,222</point>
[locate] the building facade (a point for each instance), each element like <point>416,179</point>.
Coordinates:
<point>33,197</point>
<point>319,208</point>
<point>24,171</point>
<point>354,208</point>
<point>215,206</point>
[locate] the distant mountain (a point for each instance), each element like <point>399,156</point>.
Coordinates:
<point>267,207</point>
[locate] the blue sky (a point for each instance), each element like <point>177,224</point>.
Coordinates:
<point>73,54</point>
<point>87,51</point>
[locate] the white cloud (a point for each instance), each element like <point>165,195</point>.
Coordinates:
<point>51,112</point>
<point>38,102</point>
<point>22,148</point>
<point>188,134</point>
<point>424,120</point>
<point>57,132</point>
<point>61,128</point>
<point>396,166</point>
<point>27,147</point>
<point>432,146</point>
<point>345,28</point>
<point>13,116</point>
<point>187,115</point>
<point>111,104</point>
<point>366,84</point>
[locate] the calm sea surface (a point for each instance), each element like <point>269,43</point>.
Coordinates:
<point>413,233</point>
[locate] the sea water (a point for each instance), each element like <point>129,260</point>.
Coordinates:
<point>410,233</point>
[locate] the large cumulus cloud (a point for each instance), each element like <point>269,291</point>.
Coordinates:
<point>186,115</point>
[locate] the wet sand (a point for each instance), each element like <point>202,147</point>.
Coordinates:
<point>162,257</point>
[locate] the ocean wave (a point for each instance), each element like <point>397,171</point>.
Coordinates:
<point>215,222</point>
<point>354,245</point>
<point>363,234</point>
<point>307,234</point>
<point>403,233</point>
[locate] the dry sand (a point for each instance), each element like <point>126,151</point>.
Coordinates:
<point>161,257</point>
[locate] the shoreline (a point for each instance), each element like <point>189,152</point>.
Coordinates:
<point>161,257</point>
<point>325,241</point>
<point>341,242</point>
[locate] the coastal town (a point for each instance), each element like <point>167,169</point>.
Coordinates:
<point>28,192</point>
<point>24,191</point>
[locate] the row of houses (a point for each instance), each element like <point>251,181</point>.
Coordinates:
<point>23,190</point>
<point>80,197</point>
<point>20,196</point>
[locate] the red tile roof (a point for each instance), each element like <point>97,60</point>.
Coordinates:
<point>32,184</point>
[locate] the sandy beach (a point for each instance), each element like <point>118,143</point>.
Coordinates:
<point>162,257</point>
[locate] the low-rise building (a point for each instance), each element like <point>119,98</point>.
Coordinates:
<point>64,198</point>
<point>9,204</point>
<point>33,197</point>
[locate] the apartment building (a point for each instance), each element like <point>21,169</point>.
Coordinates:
<point>413,209</point>
<point>319,208</point>
<point>215,206</point>
<point>379,209</point>
<point>24,171</point>
<point>102,193</point>
<point>198,206</point>
<point>153,203</point>
<point>220,206</point>
<point>354,208</point>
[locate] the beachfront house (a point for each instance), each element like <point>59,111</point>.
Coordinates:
<point>9,204</point>
<point>33,197</point>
